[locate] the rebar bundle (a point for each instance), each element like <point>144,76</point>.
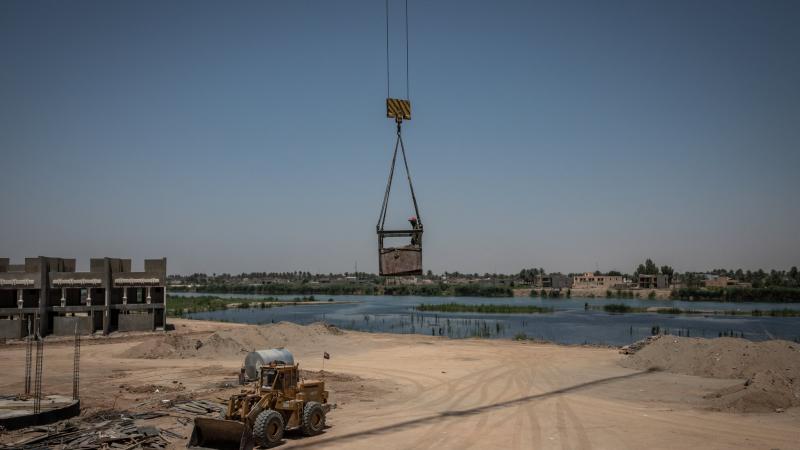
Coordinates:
<point>37,383</point>
<point>76,365</point>
<point>28,358</point>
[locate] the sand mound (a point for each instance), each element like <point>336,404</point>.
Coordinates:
<point>233,342</point>
<point>771,369</point>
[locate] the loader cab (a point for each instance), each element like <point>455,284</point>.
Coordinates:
<point>279,378</point>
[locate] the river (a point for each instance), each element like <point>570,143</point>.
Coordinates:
<point>570,323</point>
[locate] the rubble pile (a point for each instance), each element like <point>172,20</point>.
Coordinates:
<point>119,433</point>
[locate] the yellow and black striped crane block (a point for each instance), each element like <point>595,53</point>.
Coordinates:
<point>397,108</point>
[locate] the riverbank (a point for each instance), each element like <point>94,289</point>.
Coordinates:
<point>179,305</point>
<point>566,321</point>
<point>411,391</point>
<point>598,292</point>
<point>734,294</point>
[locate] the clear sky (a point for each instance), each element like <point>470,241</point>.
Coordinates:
<point>250,136</point>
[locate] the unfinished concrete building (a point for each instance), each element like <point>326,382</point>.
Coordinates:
<point>553,281</point>
<point>46,295</point>
<point>653,281</point>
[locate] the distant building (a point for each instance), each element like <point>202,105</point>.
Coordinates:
<point>725,282</point>
<point>46,295</point>
<point>553,281</point>
<point>653,281</point>
<point>400,281</point>
<point>589,280</point>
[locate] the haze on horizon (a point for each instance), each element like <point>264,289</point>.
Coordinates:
<point>251,136</point>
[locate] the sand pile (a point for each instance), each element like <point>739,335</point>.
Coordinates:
<point>771,369</point>
<point>233,342</point>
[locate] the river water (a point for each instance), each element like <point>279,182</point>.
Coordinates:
<point>570,323</point>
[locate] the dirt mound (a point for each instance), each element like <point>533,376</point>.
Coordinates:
<point>233,342</point>
<point>771,369</point>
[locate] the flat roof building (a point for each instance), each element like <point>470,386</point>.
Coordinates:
<point>589,280</point>
<point>47,296</point>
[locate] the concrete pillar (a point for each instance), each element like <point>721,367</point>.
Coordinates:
<point>107,307</point>
<point>164,311</point>
<point>91,311</point>
<point>44,295</point>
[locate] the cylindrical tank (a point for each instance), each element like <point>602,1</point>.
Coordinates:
<point>254,360</point>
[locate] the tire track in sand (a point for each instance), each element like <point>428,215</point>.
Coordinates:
<point>432,437</point>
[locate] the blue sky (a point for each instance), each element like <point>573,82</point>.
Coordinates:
<point>250,136</point>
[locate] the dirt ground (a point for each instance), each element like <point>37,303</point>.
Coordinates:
<point>412,391</point>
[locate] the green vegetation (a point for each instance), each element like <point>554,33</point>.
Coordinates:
<point>489,309</point>
<point>445,290</point>
<point>427,290</point>
<point>481,290</point>
<point>288,289</point>
<point>552,293</point>
<point>617,308</point>
<point>674,311</point>
<point>178,305</point>
<point>785,312</point>
<point>739,294</point>
<point>424,290</point>
<point>621,308</point>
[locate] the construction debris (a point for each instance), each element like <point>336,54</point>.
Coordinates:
<point>200,407</point>
<point>638,345</point>
<point>120,433</point>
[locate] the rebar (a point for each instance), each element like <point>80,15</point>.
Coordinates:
<point>76,365</point>
<point>37,383</point>
<point>28,358</point>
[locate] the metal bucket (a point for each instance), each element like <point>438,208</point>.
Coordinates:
<point>401,260</point>
<point>220,434</point>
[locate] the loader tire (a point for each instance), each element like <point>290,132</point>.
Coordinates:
<point>268,428</point>
<point>313,418</point>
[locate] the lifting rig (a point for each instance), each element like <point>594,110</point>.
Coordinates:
<point>407,259</point>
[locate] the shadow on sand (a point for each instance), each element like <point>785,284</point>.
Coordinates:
<point>465,412</point>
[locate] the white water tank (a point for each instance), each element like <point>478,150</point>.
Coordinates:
<point>254,360</point>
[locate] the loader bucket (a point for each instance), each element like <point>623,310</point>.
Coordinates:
<point>220,434</point>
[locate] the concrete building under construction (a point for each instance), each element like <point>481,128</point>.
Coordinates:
<point>46,295</point>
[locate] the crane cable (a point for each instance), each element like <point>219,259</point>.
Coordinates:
<point>399,143</point>
<point>385,205</point>
<point>388,78</point>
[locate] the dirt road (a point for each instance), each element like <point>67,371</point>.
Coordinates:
<point>400,392</point>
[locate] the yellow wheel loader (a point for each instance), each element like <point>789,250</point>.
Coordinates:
<point>279,401</point>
